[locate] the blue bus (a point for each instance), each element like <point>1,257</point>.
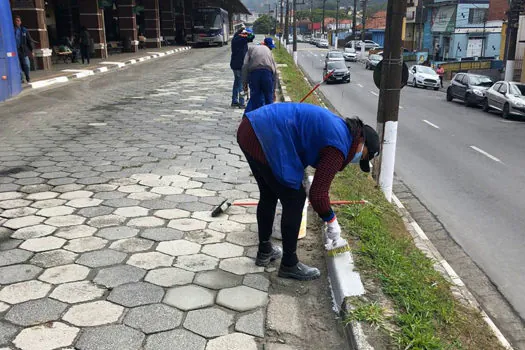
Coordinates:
<point>210,25</point>
<point>10,79</point>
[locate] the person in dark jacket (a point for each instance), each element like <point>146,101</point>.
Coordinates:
<point>24,45</point>
<point>279,141</point>
<point>85,44</point>
<point>239,48</point>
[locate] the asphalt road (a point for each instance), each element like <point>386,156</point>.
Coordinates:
<point>465,165</point>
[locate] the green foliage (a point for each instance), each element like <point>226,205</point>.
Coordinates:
<point>264,25</point>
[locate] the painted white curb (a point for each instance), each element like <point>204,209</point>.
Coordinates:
<point>114,66</point>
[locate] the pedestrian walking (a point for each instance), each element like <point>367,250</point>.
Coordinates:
<point>279,141</point>
<point>239,47</point>
<point>259,70</point>
<point>85,44</point>
<point>24,45</point>
<point>440,72</point>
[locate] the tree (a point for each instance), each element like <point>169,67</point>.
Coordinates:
<point>264,25</point>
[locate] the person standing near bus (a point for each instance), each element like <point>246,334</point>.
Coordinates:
<point>239,47</point>
<point>24,45</point>
<point>259,70</point>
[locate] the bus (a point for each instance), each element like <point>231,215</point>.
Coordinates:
<point>210,25</point>
<point>10,81</point>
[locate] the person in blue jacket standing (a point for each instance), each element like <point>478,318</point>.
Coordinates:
<point>279,141</point>
<point>24,45</point>
<point>239,47</point>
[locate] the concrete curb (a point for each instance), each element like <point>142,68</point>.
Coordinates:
<point>112,66</point>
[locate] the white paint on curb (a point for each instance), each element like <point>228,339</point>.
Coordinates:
<point>386,178</point>
<point>452,275</point>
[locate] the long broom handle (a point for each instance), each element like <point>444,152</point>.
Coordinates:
<point>331,202</point>
<point>317,85</point>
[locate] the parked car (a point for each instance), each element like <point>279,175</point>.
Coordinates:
<point>469,88</point>
<point>349,53</point>
<point>376,50</point>
<point>341,72</point>
<point>333,56</point>
<point>322,43</point>
<point>369,44</point>
<point>506,97</point>
<point>372,61</point>
<point>423,76</point>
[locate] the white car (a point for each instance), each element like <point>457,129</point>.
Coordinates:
<point>423,76</point>
<point>349,53</point>
<point>369,44</point>
<point>323,43</point>
<point>333,56</point>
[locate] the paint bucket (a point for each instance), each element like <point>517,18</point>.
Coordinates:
<point>276,232</point>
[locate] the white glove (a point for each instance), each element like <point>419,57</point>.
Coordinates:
<point>333,231</point>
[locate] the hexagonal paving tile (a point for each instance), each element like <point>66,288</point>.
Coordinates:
<point>85,244</point>
<point>212,322</point>
<point>162,234</point>
<point>84,202</point>
<point>169,277</point>
<point>189,297</point>
<point>246,238</point>
<point>178,247</point>
<point>53,258</point>
<point>106,220</point>
<point>244,218</point>
<point>25,221</point>
<point>201,192</point>
<point>131,245</point>
<point>50,336</point>
<point>24,291</point>
<point>252,324</point>
<point>76,292</point>
<point>217,279</point>
<point>176,339</point>
<point>240,266</point>
<point>136,294</point>
<point>35,312</point>
<point>131,188</point>
<point>64,273</point>
<point>10,195</point>
<point>187,224</point>
<point>14,203</point>
<point>48,203</point>
<point>7,331</point>
<point>3,307</point>
<point>205,236</point>
<point>95,313</point>
<point>76,194</point>
<point>14,256</point>
<point>196,262</point>
<point>55,211</point>
<point>257,281</point>
<point>144,196</point>
<point>150,260</point>
<point>18,273</point>
<point>78,231</point>
<point>117,232</point>
<point>103,257</point>
<point>66,220</point>
<point>18,212</point>
<point>171,214</point>
<point>167,190</point>
<point>117,275</point>
<point>233,341</point>
<point>206,216</point>
<point>131,212</point>
<point>153,318</point>
<point>147,221</point>
<point>42,195</point>
<point>226,226</point>
<point>223,250</point>
<point>43,244</point>
<point>111,337</point>
<point>242,298</point>
<point>33,232</point>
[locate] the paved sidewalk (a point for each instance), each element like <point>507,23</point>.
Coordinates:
<point>106,239</point>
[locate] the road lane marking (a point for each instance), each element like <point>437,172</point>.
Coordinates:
<point>486,154</point>
<point>360,85</point>
<point>429,123</point>
<point>374,93</point>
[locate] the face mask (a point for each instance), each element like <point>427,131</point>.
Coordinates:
<point>357,157</point>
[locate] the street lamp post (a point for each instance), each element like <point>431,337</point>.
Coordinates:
<point>336,23</point>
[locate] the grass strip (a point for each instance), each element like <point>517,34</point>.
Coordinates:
<point>426,314</point>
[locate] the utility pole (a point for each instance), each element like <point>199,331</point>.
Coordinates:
<point>389,92</point>
<point>512,38</point>
<point>294,10</point>
<point>286,23</point>
<point>336,23</point>
<point>354,20</point>
<point>281,24</point>
<point>363,19</point>
<point>322,23</point>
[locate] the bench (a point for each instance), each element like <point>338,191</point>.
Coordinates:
<point>114,47</point>
<point>64,56</point>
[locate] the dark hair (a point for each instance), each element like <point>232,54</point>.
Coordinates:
<point>18,17</point>
<point>355,126</point>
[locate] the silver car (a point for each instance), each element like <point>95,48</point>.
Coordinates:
<point>333,56</point>
<point>507,97</point>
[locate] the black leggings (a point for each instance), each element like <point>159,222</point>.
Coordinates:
<point>85,52</point>
<point>292,202</point>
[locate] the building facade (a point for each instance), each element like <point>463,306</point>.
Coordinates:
<point>119,21</point>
